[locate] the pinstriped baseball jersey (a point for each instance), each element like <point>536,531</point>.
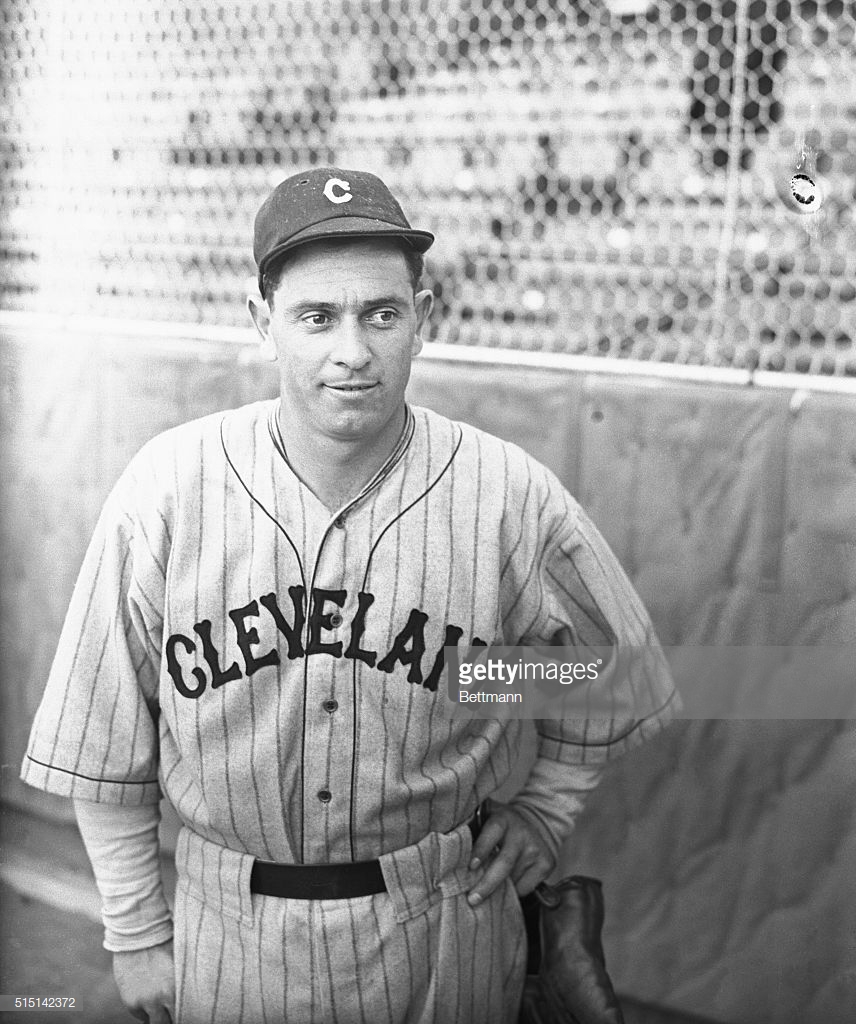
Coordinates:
<point>277,668</point>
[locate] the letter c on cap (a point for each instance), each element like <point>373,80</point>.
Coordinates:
<point>342,197</point>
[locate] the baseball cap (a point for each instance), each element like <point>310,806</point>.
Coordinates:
<point>329,202</point>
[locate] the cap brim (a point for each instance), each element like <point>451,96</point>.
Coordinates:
<point>349,227</point>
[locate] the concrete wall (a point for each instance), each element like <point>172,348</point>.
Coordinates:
<point>726,848</point>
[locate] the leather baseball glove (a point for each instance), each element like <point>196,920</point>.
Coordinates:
<point>567,981</point>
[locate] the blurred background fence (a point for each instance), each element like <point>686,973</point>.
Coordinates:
<point>607,177</point>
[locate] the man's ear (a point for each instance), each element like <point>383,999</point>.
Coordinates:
<point>260,313</point>
<point>423,301</point>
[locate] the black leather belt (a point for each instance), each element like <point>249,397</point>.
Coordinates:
<point>325,881</point>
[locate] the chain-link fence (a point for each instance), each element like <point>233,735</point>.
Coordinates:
<point>668,180</point>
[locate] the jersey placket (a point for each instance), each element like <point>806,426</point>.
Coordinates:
<point>329,714</point>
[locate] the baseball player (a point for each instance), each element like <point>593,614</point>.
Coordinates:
<point>258,634</point>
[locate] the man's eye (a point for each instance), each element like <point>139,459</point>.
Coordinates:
<point>316,319</point>
<point>383,316</point>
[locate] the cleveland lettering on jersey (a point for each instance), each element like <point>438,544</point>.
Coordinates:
<point>408,648</point>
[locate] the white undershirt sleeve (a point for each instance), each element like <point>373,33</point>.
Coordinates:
<point>553,795</point>
<point>122,843</point>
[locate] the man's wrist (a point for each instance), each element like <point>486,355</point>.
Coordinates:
<point>160,936</point>
<point>542,828</point>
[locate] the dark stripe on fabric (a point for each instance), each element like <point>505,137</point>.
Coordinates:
<point>637,724</point>
<point>260,973</point>
<point>161,568</point>
<point>429,725</point>
<point>108,743</point>
<point>242,985</point>
<point>254,780</point>
<point>91,778</point>
<point>279,729</point>
<point>355,734</point>
<point>166,530</point>
<point>512,745</point>
<point>432,966</point>
<point>276,523</point>
<point>202,908</point>
<point>252,692</point>
<point>219,971</point>
<point>396,575</point>
<point>327,776</point>
<point>304,526</point>
<point>188,930</point>
<point>400,447</point>
<point>195,815</point>
<point>339,672</point>
<point>406,929</point>
<point>404,511</point>
<point>532,567</point>
<point>71,673</point>
<point>176,801</point>
<point>523,522</point>
<point>137,667</point>
<point>355,959</point>
<point>201,754</point>
<point>386,971</point>
<point>402,889</point>
<point>227,760</point>
<point>595,614</point>
<point>617,579</point>
<point>173,693</point>
<point>313,956</point>
<point>453,766</point>
<point>286,911</point>
<point>451,725</point>
<point>457,905</point>
<point>153,608</point>
<point>275,435</point>
<point>81,744</point>
<point>476,522</point>
<point>527,631</point>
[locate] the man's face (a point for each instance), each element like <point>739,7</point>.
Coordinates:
<point>344,328</point>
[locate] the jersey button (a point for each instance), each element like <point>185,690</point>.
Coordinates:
<point>335,620</point>
<point>325,796</point>
<point>330,706</point>
<point>339,522</point>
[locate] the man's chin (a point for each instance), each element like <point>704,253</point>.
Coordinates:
<point>355,425</point>
<point>364,425</point>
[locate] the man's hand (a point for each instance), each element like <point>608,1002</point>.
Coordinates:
<point>509,846</point>
<point>146,981</point>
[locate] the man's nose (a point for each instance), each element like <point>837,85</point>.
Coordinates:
<point>351,349</point>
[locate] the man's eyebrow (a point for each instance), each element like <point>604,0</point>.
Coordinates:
<point>387,300</point>
<point>305,305</point>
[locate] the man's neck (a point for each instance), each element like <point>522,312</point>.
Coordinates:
<point>334,469</point>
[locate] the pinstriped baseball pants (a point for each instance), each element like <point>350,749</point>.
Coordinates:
<point>416,954</point>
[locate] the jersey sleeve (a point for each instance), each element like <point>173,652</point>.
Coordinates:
<point>95,734</point>
<point>580,597</point>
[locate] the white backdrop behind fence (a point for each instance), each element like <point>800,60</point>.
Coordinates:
<point>610,178</point>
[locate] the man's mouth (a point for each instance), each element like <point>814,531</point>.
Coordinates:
<point>352,386</point>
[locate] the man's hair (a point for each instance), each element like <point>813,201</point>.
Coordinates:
<point>414,260</point>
